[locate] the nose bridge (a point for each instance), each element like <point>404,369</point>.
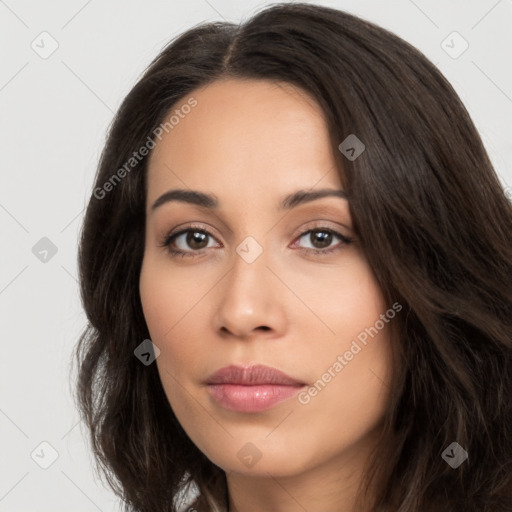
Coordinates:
<point>248,298</point>
<point>249,273</point>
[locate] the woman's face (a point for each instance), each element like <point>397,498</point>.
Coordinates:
<point>268,284</point>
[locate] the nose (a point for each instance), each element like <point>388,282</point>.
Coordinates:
<point>250,301</point>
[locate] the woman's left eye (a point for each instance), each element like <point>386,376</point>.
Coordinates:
<point>320,238</point>
<point>196,239</point>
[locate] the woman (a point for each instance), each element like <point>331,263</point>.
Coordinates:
<point>296,265</point>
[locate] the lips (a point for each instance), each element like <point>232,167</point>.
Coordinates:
<point>251,376</point>
<point>251,388</point>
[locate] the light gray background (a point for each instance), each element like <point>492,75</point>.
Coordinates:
<point>55,113</point>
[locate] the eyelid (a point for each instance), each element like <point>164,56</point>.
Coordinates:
<point>319,224</point>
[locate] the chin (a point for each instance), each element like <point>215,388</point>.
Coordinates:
<point>270,464</point>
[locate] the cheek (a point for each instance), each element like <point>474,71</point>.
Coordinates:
<point>157,303</point>
<point>353,369</point>
<point>165,315</point>
<point>345,299</point>
<point>350,393</point>
<point>168,296</point>
<point>171,305</point>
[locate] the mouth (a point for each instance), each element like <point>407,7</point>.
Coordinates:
<point>251,388</point>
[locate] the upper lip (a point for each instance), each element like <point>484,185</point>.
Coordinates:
<point>251,376</point>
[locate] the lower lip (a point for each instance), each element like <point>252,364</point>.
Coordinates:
<point>251,398</point>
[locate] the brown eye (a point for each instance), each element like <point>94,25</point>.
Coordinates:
<point>196,239</point>
<point>187,242</point>
<point>321,240</point>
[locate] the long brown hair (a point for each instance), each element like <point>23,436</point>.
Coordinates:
<point>433,221</point>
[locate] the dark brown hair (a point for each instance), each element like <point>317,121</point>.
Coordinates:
<point>435,226</point>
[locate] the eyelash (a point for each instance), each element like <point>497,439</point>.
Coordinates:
<point>168,239</point>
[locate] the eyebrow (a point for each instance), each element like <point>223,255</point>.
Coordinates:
<point>211,202</point>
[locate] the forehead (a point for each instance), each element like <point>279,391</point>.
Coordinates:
<point>241,137</point>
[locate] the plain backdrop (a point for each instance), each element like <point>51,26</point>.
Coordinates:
<point>55,110</point>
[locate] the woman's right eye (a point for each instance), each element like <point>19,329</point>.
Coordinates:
<point>194,238</point>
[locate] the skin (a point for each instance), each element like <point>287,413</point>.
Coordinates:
<point>250,143</point>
